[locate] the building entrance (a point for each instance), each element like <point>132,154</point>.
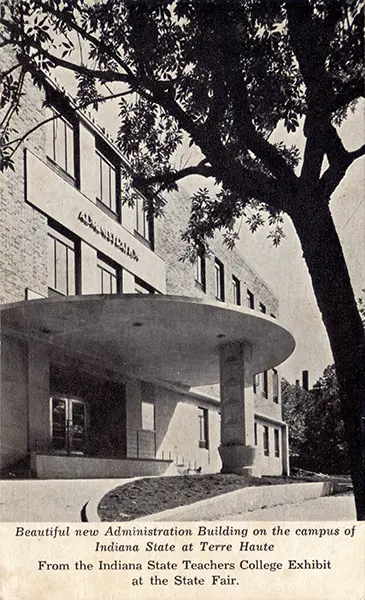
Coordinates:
<point>68,424</point>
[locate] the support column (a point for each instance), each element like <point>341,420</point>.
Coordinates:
<point>237,449</point>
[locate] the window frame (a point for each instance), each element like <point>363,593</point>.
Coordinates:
<point>262,308</point>
<point>256,382</point>
<point>68,167</point>
<point>275,386</point>
<point>250,299</point>
<point>141,287</point>
<point>103,158</point>
<point>236,290</point>
<point>143,226</point>
<point>113,269</point>
<point>276,442</point>
<point>200,271</point>
<point>147,417</point>
<point>266,440</point>
<point>203,416</point>
<point>219,280</point>
<point>265,384</point>
<point>72,246</point>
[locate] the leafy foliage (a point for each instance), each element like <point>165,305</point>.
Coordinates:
<point>295,401</point>
<point>223,73</point>
<point>316,429</point>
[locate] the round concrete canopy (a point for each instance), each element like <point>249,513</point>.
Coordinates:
<point>152,336</point>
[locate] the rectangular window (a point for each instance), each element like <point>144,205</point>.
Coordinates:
<point>265,385</point>
<point>250,300</point>
<point>60,141</point>
<point>255,433</point>
<point>61,264</point>
<point>266,440</point>
<point>148,416</point>
<point>200,271</point>
<point>256,383</point>
<point>275,386</point>
<point>141,287</point>
<point>203,427</point>
<point>109,277</point>
<point>276,441</point>
<point>106,183</point>
<point>219,280</point>
<point>236,291</point>
<point>143,226</point>
<point>262,307</point>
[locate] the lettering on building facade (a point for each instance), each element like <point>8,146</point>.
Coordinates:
<point>108,235</point>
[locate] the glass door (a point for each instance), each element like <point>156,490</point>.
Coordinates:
<point>68,424</point>
<point>76,426</point>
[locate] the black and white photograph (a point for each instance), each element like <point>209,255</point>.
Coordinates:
<point>183,283</point>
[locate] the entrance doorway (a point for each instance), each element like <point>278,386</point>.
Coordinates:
<point>68,424</point>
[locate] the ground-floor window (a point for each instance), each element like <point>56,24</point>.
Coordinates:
<point>255,433</point>
<point>275,386</point>
<point>266,440</point>
<point>68,424</point>
<point>203,428</point>
<point>148,416</point>
<point>276,442</point>
<point>265,385</point>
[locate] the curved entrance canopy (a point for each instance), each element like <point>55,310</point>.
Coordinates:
<point>161,337</point>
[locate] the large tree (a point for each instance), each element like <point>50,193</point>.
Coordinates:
<point>223,75</point>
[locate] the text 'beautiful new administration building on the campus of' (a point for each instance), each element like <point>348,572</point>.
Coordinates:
<point>118,359</point>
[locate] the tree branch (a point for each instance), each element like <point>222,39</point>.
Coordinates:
<point>107,75</point>
<point>357,153</point>
<point>333,176</point>
<point>172,176</point>
<point>61,16</point>
<point>18,141</point>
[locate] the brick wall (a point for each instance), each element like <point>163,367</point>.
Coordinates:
<point>181,275</point>
<point>23,230</point>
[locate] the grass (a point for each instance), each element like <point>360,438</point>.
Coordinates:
<point>151,495</point>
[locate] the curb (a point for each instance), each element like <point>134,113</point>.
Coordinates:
<point>89,511</point>
<point>238,501</point>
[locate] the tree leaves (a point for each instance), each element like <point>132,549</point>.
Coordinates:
<point>316,430</point>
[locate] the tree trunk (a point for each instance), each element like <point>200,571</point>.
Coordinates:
<point>332,287</point>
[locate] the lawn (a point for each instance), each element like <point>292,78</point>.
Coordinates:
<point>154,494</point>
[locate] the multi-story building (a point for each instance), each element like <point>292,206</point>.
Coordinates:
<point>112,347</point>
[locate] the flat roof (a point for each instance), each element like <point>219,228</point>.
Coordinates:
<point>151,336</point>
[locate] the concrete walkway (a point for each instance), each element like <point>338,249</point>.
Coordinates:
<point>328,508</point>
<point>58,500</point>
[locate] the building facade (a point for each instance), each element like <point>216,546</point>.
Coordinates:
<point>108,367</point>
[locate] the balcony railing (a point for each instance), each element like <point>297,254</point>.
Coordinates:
<point>141,443</point>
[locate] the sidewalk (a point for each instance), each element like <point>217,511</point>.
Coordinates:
<point>58,500</point>
<point>328,508</point>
